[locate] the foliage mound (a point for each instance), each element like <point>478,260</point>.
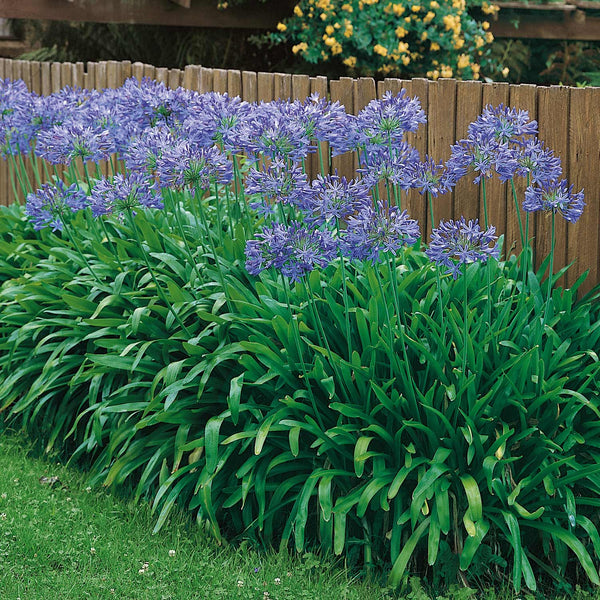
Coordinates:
<point>287,359</point>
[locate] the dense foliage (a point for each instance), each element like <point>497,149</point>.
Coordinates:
<point>402,39</point>
<point>287,358</point>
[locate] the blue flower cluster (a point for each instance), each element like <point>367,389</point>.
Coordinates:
<point>184,140</point>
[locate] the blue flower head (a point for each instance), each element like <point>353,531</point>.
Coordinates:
<point>396,165</point>
<point>555,197</point>
<point>505,124</point>
<point>49,205</point>
<point>431,177</point>
<point>293,250</point>
<point>376,230</point>
<point>457,243</point>
<point>16,107</point>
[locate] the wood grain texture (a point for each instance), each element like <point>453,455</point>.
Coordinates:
<point>234,83</point>
<point>219,81</point>
<point>249,86</point>
<point>342,91</point>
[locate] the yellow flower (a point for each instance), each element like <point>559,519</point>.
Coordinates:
<point>407,19</point>
<point>405,60</point>
<point>402,47</point>
<point>281,26</point>
<point>330,41</point>
<point>428,17</point>
<point>379,49</point>
<point>459,43</point>
<point>398,9</point>
<point>485,25</point>
<point>350,61</point>
<point>463,61</point>
<point>424,36</point>
<point>475,67</point>
<point>323,16</point>
<point>446,71</point>
<point>349,29</point>
<point>336,48</point>
<point>401,32</point>
<point>489,9</point>
<point>348,8</point>
<point>434,4</point>
<point>301,47</point>
<point>416,8</point>
<point>478,41</point>
<point>336,25</point>
<point>386,69</point>
<point>298,11</point>
<point>329,29</point>
<point>505,72</point>
<point>489,37</point>
<point>433,74</point>
<point>434,46</point>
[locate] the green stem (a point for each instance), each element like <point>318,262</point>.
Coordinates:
<point>488,305</point>
<point>388,319</point>
<point>438,279</point>
<point>551,267</point>
<point>73,240</point>
<point>159,289</point>
<point>345,294</point>
<point>465,325</point>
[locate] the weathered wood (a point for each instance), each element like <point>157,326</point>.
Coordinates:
<point>265,87</point>
<point>202,13</point>
<point>89,77</point>
<point>249,86</point>
<point>494,94</point>
<point>342,91</point>
<point>282,86</point>
<point>319,85</point>
<point>191,77</point>
<point>441,134</point>
<point>113,74</point>
<point>78,73</point>
<point>137,70</point>
<point>219,81</point>
<point>522,97</point>
<point>36,77</point>
<point>584,157</point>
<point>174,78</point>
<point>234,83</point>
<point>468,108</point>
<point>553,101</point>
<point>206,80</point>
<point>55,83</point>
<point>161,75</point>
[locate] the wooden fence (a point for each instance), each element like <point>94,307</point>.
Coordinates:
<point>569,122</point>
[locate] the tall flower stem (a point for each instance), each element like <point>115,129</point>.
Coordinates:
<point>551,267</point>
<point>488,304</point>
<point>239,192</point>
<point>438,279</point>
<point>465,322</point>
<point>345,295</point>
<point>159,289</point>
<point>73,240</point>
<point>388,320</point>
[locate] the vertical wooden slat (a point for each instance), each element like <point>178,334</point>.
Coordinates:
<point>66,74</point>
<point>125,71</point>
<point>441,135</point>
<point>113,75</point>
<point>282,86</point>
<point>45,78</point>
<point>468,108</point>
<point>36,77</point>
<point>319,85</point>
<point>553,101</point>
<point>522,97</point>
<point>416,203</point>
<point>265,87</point>
<point>249,86</point>
<point>174,79</point>
<point>55,77</point>
<point>342,91</point>
<point>89,77</point>
<point>234,83</point>
<point>219,81</point>
<point>390,84</point>
<point>8,67</point>
<point>137,70</point>
<point>191,77</point>
<point>101,76</point>
<point>584,158</point>
<point>206,80</point>
<point>495,94</point>
<point>3,68</point>
<point>161,74</point>
<point>78,74</point>
<point>300,87</point>
<point>149,71</point>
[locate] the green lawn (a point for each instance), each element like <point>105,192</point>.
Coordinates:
<point>67,541</point>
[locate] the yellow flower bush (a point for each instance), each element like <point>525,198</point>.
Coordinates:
<point>402,38</point>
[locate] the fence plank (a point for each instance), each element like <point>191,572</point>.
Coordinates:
<point>219,81</point>
<point>342,91</point>
<point>319,85</point>
<point>416,203</point>
<point>234,83</point>
<point>125,72</point>
<point>174,78</point>
<point>206,80</point>
<point>78,73</point>
<point>161,74</point>
<point>300,87</point>
<point>441,134</point>
<point>36,77</point>
<point>495,94</point>
<point>265,87</point>
<point>113,75</point>
<point>55,76</point>
<point>66,74</point>
<point>468,107</point>
<point>150,71</point>
<point>282,86</point>
<point>554,132</point>
<point>584,152</point>
<point>522,97</point>
<point>191,77</point>
<point>89,78</point>
<point>100,76</point>
<point>249,86</point>
<point>137,70</point>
